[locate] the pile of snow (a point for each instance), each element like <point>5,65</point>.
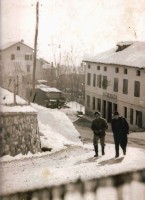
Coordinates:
<point>56,128</point>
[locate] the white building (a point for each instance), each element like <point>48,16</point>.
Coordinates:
<point>16,64</point>
<point>115,80</point>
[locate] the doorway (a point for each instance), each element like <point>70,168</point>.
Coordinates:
<point>109,111</point>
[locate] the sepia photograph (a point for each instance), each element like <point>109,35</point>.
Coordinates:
<point>72,99</point>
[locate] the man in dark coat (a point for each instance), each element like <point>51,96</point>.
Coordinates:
<point>120,130</point>
<point>99,125</point>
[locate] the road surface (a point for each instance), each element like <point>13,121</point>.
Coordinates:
<point>83,127</point>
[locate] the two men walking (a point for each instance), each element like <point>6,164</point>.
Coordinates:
<point>120,130</point>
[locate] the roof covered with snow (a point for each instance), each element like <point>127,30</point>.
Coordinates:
<point>132,55</point>
<point>47,89</point>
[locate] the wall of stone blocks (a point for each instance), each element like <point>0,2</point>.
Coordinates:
<point>19,133</point>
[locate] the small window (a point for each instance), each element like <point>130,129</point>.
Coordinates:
<point>89,66</point>
<point>116,70</point>
<point>105,68</point>
<point>18,48</point>
<point>12,56</point>
<point>138,72</point>
<point>98,67</point>
<point>125,71</point>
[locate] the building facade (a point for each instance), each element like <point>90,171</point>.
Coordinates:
<point>17,67</point>
<point>111,86</point>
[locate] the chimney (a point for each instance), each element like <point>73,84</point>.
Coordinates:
<point>123,45</point>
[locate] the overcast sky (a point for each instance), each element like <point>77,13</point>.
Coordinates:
<point>79,26</point>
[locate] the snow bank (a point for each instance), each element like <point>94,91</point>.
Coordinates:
<point>56,128</point>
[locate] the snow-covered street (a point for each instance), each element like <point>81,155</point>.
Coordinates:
<point>69,164</point>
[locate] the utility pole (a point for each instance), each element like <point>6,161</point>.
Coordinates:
<point>15,92</point>
<point>35,49</point>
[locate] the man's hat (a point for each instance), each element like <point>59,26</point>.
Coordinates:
<point>116,113</point>
<point>97,113</point>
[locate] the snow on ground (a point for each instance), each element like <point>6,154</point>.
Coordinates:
<point>7,98</point>
<point>56,128</point>
<point>65,166</point>
<point>62,164</point>
<point>72,109</point>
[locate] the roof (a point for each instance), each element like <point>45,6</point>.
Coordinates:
<point>42,81</point>
<point>47,89</point>
<point>9,44</point>
<point>45,61</point>
<point>132,55</point>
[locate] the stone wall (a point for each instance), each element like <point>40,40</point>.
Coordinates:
<point>19,133</point>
